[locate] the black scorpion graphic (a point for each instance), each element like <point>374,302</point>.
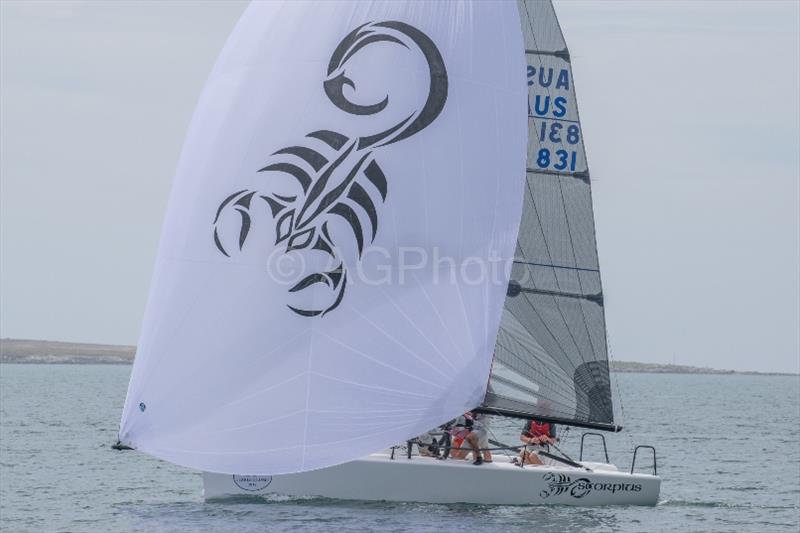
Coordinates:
<point>558,484</point>
<point>349,178</point>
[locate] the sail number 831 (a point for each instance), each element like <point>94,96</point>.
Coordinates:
<point>560,160</point>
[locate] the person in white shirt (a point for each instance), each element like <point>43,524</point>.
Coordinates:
<point>478,438</point>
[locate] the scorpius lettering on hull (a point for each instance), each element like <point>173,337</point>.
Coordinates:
<point>339,184</point>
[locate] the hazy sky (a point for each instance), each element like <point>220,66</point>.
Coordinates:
<point>692,125</point>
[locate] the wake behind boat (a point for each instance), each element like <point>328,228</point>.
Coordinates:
<point>334,138</point>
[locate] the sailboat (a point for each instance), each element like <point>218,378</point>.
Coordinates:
<point>381,219</point>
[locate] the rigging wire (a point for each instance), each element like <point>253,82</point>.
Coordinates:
<point>494,437</point>
<point>614,377</point>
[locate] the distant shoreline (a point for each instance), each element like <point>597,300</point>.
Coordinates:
<point>25,351</point>
<point>47,352</point>
<point>658,368</point>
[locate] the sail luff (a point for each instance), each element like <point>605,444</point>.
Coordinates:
<point>551,357</point>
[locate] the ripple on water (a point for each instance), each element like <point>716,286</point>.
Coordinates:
<point>58,473</point>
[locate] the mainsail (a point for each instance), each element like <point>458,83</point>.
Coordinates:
<point>342,159</point>
<point>551,359</point>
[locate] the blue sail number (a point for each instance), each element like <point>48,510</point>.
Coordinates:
<point>553,133</point>
<point>562,160</point>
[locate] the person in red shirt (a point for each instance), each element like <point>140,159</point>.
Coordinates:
<point>537,437</point>
<point>459,432</point>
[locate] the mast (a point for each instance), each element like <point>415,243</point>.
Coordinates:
<point>551,358</point>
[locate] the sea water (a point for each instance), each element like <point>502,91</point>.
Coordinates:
<point>728,452</point>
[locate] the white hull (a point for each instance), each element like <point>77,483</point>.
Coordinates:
<point>422,479</point>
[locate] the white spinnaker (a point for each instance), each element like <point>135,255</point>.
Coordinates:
<point>228,377</point>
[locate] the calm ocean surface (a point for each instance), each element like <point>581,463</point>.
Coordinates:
<point>729,455</point>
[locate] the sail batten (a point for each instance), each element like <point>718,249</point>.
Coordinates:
<point>581,175</point>
<point>557,266</point>
<point>551,358</point>
<point>563,54</point>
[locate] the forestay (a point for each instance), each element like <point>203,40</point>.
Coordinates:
<point>344,161</point>
<point>551,358</point>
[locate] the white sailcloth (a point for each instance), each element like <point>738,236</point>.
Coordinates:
<point>330,275</point>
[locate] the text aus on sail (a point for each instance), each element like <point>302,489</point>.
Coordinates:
<point>555,144</point>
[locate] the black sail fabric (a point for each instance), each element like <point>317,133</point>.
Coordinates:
<point>551,358</point>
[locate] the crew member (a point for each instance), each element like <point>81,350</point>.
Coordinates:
<point>537,436</point>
